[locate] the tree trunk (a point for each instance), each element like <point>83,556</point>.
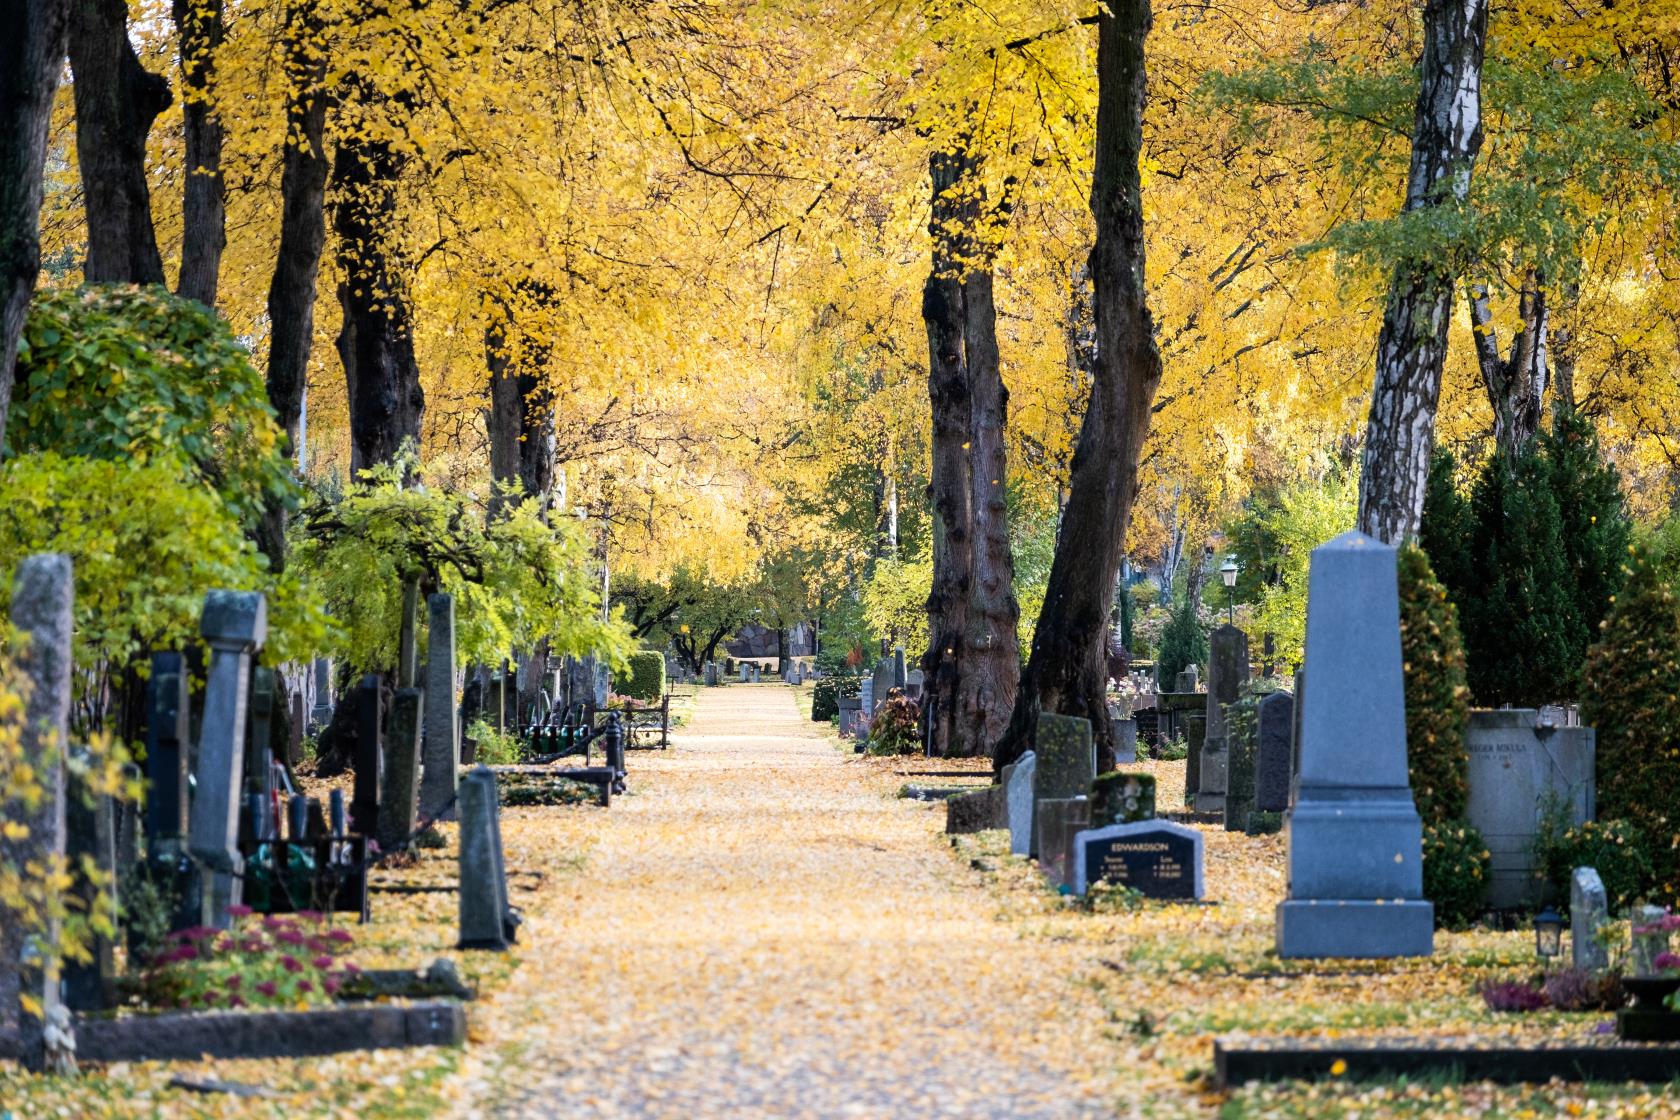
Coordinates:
<point>1516,384</point>
<point>1412,346</point>
<point>203,202</point>
<point>31,56</point>
<point>1068,670</point>
<point>291,290</point>
<point>522,405</point>
<point>376,341</point>
<point>117,99</point>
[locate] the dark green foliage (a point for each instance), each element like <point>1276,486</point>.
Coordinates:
<point>896,728</point>
<point>1437,699</point>
<point>1614,848</point>
<point>827,692</point>
<point>1448,527</point>
<point>1183,642</point>
<point>643,677</point>
<point>1127,610</point>
<point>1456,865</point>
<point>135,374</point>
<point>1631,694</point>
<point>1593,516</point>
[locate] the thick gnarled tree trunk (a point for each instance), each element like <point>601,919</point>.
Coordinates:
<point>1515,384</point>
<point>1068,671</point>
<point>303,230</point>
<point>117,99</point>
<point>522,404</point>
<point>198,24</point>
<point>971,664</point>
<point>376,342</point>
<point>31,56</point>
<point>1447,133</point>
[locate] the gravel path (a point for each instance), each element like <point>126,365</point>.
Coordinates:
<point>762,930</point>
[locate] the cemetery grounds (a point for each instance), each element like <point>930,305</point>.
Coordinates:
<point>762,928</point>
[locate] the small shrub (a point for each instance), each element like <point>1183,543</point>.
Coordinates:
<point>1456,865</point>
<point>1576,989</point>
<point>272,962</point>
<point>1104,897</point>
<point>1437,698</point>
<point>1614,848</point>
<point>643,676</point>
<point>896,728</point>
<point>495,748</point>
<point>827,693</point>
<point>1173,750</point>
<point>1512,995</point>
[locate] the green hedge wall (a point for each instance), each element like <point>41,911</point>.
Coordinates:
<point>644,679</point>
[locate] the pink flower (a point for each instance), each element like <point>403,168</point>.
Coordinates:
<point>236,1001</point>
<point>1667,961</point>
<point>305,986</point>
<point>253,944</point>
<point>267,988</point>
<point>322,962</point>
<point>232,982</point>
<point>184,953</point>
<point>330,985</point>
<point>342,936</point>
<point>239,911</point>
<point>289,937</point>
<point>291,963</point>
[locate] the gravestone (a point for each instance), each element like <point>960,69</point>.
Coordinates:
<point>321,714</point>
<point>1194,727</point>
<point>495,701</point>
<point>1189,679</point>
<point>1125,733</point>
<point>399,802</point>
<point>977,811</point>
<point>1647,940</point>
<point>42,601</point>
<point>1057,820</point>
<point>711,677</point>
<point>439,775</point>
<point>259,754</point>
<point>745,671</point>
<point>866,700</point>
<point>1159,859</point>
<point>883,681</point>
<point>915,683</point>
<point>1227,672</point>
<point>1020,797</point>
<point>1239,783</point>
<point>235,624</point>
<point>850,707</point>
<point>91,840</point>
<point>900,676</point>
<point>1275,720</point>
<point>1121,798</point>
<point>1355,839</point>
<point>369,756</point>
<point>167,711</point>
<point>1066,760</point>
<point>1589,909</point>
<point>408,637</point>
<point>486,920</point>
<point>1518,764</point>
<point>294,731</point>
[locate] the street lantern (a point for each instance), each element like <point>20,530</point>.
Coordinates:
<point>1548,933</point>
<point>1228,573</point>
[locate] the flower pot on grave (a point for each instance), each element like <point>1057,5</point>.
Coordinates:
<point>1649,1019</point>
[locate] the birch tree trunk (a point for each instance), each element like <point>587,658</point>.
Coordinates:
<point>1515,385</point>
<point>1068,670</point>
<point>1412,347</point>
<point>117,99</point>
<point>31,56</point>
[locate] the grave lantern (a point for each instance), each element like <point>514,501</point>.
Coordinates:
<point>1548,933</point>
<point>1228,573</point>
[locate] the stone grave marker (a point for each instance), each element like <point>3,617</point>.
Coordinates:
<point>849,708</point>
<point>882,680</point>
<point>399,802</point>
<point>1125,740</point>
<point>1275,720</point>
<point>1160,859</point>
<point>745,671</point>
<point>408,637</point>
<point>1057,820</point>
<point>1194,727</point>
<point>1519,762</point>
<point>487,921</point>
<point>1589,908</point>
<point>298,717</point>
<point>369,756</point>
<point>1355,840</point>
<point>440,773</point>
<point>1121,798</point>
<point>866,699</point>
<point>1648,940</point>
<point>1066,759</point>
<point>1227,672</point>
<point>711,676</point>
<point>915,684</point>
<point>235,624</point>
<point>1189,679</point>
<point>259,753</point>
<point>901,676</point>
<point>42,599</point>
<point>91,839</point>
<point>495,700</point>
<point>166,755</point>
<point>1020,798</point>
<point>321,714</point>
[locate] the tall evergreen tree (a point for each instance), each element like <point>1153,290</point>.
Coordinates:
<point>1448,527</point>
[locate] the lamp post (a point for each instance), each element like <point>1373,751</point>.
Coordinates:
<point>1228,572</point>
<point>1548,934</point>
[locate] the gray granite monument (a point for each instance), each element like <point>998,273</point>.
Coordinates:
<point>1019,795</point>
<point>1355,839</point>
<point>235,624</point>
<point>1227,673</point>
<point>1275,719</point>
<point>1589,908</point>
<point>1520,762</point>
<point>442,742</point>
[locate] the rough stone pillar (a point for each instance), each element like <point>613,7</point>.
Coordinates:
<point>399,803</point>
<point>443,730</point>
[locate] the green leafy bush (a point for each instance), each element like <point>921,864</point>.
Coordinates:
<point>1613,848</point>
<point>1631,694</point>
<point>136,374</point>
<point>643,677</point>
<point>827,693</point>
<point>495,748</point>
<point>1437,698</point>
<point>896,728</point>
<point>272,962</point>
<point>1456,866</point>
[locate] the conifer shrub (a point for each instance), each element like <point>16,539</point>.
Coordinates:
<point>827,693</point>
<point>643,676</point>
<point>1631,695</point>
<point>1437,698</point>
<point>1183,642</point>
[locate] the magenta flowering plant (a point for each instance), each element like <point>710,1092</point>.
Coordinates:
<point>276,961</point>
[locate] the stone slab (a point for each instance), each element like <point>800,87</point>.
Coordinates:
<point>1159,858</point>
<point>1238,1061</point>
<point>1516,764</point>
<point>1355,928</point>
<point>1019,801</point>
<point>270,1034</point>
